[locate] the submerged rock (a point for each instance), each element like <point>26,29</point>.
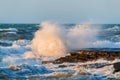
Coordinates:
<point>14,68</point>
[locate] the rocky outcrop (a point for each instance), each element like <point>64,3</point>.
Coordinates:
<point>116,67</point>
<point>86,55</point>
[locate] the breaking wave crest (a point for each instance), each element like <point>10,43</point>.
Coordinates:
<point>8,29</point>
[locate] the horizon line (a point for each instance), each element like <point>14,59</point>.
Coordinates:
<point>61,23</point>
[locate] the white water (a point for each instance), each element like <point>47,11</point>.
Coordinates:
<point>53,71</point>
<point>52,40</point>
<point>81,36</point>
<point>8,29</point>
<point>48,42</point>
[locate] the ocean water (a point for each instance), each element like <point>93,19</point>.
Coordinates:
<point>19,39</point>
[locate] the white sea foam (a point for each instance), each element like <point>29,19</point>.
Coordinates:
<point>51,71</point>
<point>20,43</point>
<point>18,47</point>
<point>13,54</point>
<point>105,44</point>
<point>8,29</point>
<point>10,33</point>
<point>6,41</point>
<point>18,60</point>
<point>114,28</point>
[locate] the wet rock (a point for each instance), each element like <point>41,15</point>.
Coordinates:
<point>62,75</point>
<point>62,66</point>
<point>85,55</point>
<point>83,72</point>
<point>116,67</point>
<point>14,68</point>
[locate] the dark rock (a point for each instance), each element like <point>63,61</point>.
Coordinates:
<point>62,66</point>
<point>116,67</point>
<point>84,55</point>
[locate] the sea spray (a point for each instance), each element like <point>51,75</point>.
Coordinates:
<point>53,41</point>
<point>81,36</point>
<point>47,42</point>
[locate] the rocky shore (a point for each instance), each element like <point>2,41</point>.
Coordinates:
<point>87,55</point>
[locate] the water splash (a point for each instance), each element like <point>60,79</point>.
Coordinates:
<point>81,36</point>
<point>47,42</point>
<point>52,40</point>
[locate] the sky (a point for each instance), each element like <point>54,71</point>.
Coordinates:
<point>61,11</point>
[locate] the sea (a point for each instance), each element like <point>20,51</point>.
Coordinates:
<point>16,40</point>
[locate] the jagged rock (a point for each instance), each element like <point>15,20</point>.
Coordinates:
<point>85,55</point>
<point>116,67</point>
